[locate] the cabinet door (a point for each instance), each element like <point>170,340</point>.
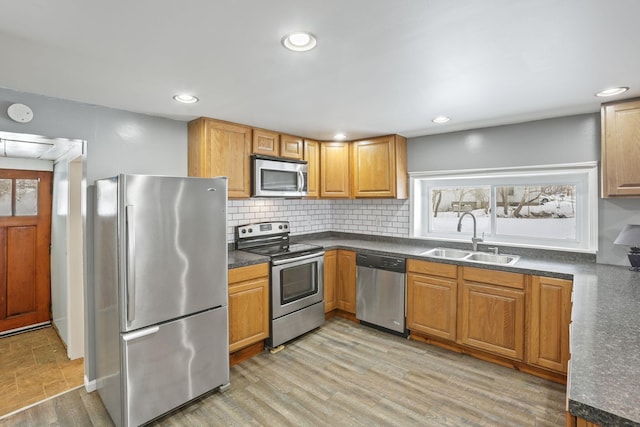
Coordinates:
<point>221,149</point>
<point>248,306</point>
<point>330,267</point>
<point>265,142</point>
<point>334,170</point>
<point>492,319</point>
<point>291,147</point>
<point>548,316</point>
<point>346,281</point>
<point>373,167</point>
<point>379,168</point>
<point>431,305</point>
<point>312,156</point>
<point>621,148</point>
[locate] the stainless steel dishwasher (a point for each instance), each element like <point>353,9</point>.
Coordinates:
<point>380,290</point>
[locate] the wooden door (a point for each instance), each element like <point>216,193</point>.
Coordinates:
<point>346,281</point>
<point>25,237</point>
<point>334,170</point>
<point>312,156</point>
<point>217,148</point>
<point>291,147</point>
<point>373,167</point>
<point>431,305</point>
<point>248,306</point>
<point>492,319</point>
<point>266,142</point>
<point>621,148</point>
<point>548,318</point>
<point>330,266</point>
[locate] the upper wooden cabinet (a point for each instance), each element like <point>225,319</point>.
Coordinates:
<point>291,147</point>
<point>379,167</point>
<point>334,170</point>
<point>548,318</point>
<point>312,156</point>
<point>217,148</point>
<point>621,149</point>
<point>265,142</point>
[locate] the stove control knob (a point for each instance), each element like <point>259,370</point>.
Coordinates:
<point>280,227</point>
<point>286,226</point>
<point>251,230</point>
<point>243,231</point>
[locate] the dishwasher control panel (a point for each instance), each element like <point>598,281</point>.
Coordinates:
<point>381,262</point>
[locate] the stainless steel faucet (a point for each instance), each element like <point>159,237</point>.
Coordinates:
<point>475,239</point>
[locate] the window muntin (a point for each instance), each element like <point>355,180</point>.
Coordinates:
<point>557,206</point>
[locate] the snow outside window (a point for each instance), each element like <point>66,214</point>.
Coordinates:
<point>551,207</point>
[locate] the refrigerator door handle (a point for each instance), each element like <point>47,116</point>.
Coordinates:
<point>131,264</point>
<point>142,333</point>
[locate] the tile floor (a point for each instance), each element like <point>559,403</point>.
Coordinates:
<point>34,366</point>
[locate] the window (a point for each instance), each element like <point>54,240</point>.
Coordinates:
<point>18,197</point>
<point>552,207</point>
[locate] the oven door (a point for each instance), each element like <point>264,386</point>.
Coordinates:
<point>296,283</point>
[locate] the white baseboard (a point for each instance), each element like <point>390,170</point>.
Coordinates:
<point>89,385</point>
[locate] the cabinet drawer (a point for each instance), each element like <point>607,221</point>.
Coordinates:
<point>500,278</point>
<point>241,274</point>
<point>432,268</point>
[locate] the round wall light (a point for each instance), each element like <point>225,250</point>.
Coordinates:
<point>339,137</point>
<point>299,41</point>
<point>186,98</point>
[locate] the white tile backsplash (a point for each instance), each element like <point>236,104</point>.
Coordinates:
<point>383,217</point>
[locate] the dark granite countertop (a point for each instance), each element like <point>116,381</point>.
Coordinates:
<point>604,375</point>
<point>242,259</point>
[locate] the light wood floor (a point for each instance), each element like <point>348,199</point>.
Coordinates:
<point>34,366</point>
<point>345,374</point>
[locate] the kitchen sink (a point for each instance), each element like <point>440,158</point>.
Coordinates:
<point>480,257</point>
<point>492,258</point>
<point>447,253</point>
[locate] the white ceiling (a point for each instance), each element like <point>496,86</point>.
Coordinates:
<point>380,67</point>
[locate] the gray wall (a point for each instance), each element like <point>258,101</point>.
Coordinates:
<point>563,140</point>
<point>117,141</point>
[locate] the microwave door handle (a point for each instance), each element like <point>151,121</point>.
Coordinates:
<point>300,181</point>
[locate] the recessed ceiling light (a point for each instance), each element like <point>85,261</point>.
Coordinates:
<point>613,91</point>
<point>299,41</point>
<point>186,99</point>
<point>441,119</point>
<point>339,136</point>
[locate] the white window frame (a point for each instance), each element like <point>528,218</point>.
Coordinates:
<point>583,175</point>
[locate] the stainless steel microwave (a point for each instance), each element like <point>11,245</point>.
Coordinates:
<point>278,177</point>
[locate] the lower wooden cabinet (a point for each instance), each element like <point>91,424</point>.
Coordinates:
<point>248,305</point>
<point>432,301</point>
<point>346,281</point>
<point>492,317</point>
<point>573,421</point>
<point>548,318</point>
<point>330,268</point>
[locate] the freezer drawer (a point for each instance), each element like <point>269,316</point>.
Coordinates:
<point>167,365</point>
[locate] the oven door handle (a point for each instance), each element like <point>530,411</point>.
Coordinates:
<point>300,258</point>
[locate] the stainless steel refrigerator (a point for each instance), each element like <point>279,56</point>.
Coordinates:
<point>161,319</point>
